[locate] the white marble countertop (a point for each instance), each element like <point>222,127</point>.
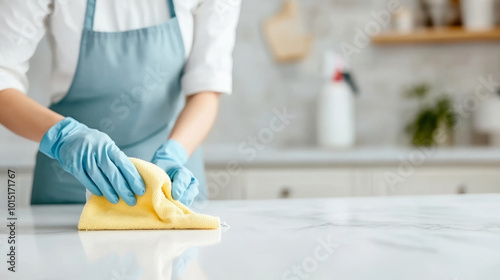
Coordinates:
<point>24,157</point>
<point>442,238</point>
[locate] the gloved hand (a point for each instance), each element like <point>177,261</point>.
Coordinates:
<point>94,159</point>
<point>171,157</point>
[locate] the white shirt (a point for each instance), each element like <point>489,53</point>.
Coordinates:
<point>207,27</point>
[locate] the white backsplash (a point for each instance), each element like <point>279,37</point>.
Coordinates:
<point>382,73</point>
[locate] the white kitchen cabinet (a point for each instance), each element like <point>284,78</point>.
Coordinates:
<point>298,183</point>
<point>280,182</point>
<point>225,184</point>
<point>443,180</point>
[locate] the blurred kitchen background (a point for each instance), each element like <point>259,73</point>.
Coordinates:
<point>419,79</point>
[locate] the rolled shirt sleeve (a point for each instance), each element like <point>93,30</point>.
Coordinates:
<point>22,26</point>
<point>209,66</point>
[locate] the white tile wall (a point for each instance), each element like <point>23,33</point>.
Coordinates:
<point>381,72</point>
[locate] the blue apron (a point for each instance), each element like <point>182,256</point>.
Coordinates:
<point>126,84</point>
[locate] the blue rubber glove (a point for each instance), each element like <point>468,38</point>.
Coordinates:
<point>171,157</point>
<point>94,159</point>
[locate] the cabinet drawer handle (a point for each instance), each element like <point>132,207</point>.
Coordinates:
<point>462,189</point>
<point>285,192</point>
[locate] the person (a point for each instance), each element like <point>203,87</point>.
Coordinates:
<point>130,78</point>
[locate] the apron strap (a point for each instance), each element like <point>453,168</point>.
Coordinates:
<point>90,12</point>
<point>171,8</point>
<point>89,15</point>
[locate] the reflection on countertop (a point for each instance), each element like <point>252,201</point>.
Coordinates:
<point>153,254</point>
<point>438,237</point>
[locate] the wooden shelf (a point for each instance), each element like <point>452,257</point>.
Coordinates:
<point>445,35</point>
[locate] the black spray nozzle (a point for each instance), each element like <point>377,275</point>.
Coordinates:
<point>350,81</point>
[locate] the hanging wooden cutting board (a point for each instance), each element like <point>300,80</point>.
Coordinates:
<point>285,35</point>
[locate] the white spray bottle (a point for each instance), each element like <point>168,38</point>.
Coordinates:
<point>335,111</point>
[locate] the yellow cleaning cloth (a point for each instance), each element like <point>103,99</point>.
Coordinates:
<point>156,209</point>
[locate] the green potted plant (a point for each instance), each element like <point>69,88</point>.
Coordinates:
<point>435,119</point>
